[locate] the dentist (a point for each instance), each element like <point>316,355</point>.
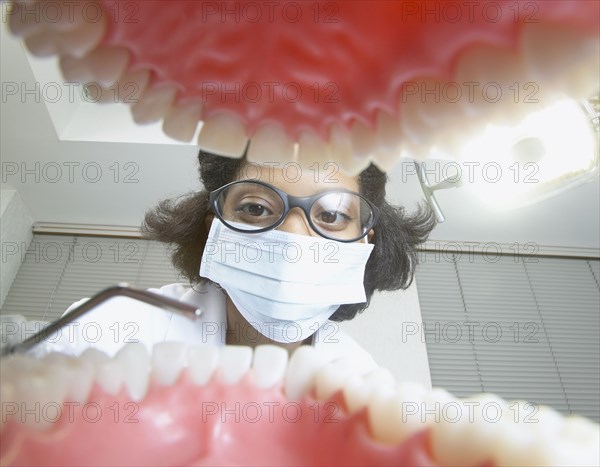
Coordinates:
<point>274,254</point>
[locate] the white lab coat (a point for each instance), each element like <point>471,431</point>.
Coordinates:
<point>120,320</point>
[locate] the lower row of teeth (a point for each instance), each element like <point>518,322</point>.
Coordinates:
<point>462,431</point>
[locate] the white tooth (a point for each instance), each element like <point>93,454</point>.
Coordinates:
<point>356,394</point>
<point>466,429</point>
<point>129,89</point>
<point>549,446</point>
<point>94,357</point>
<point>270,143</point>
<point>387,131</point>
<point>363,143</point>
<point>40,396</point>
<point>330,379</point>
<point>312,150</point>
<point>443,115</point>
<point>556,442</point>
<point>380,377</point>
<point>82,40</point>
<point>268,366</point>
<point>394,416</point>
<point>24,23</point>
<point>358,390</point>
<point>168,359</point>
<point>77,373</point>
<point>181,120</point>
<point>580,429</point>
<point>301,372</point>
<point>223,133</point>
<point>109,375</point>
<point>514,439</point>
<point>75,69</point>
<point>582,437</point>
<point>342,152</point>
<point>135,363</point>
<point>500,91</point>
<point>234,362</point>
<point>153,104</point>
<point>566,58</point>
<point>105,65</point>
<point>389,141</point>
<point>65,16</point>
<point>363,140</point>
<point>486,69</point>
<point>416,94</point>
<point>42,44</point>
<point>202,362</point>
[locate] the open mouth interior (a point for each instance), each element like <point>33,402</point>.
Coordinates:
<point>333,81</point>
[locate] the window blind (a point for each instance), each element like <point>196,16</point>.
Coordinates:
<point>59,270</point>
<point>522,327</point>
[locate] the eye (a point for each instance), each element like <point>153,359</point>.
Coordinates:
<point>329,217</point>
<point>333,219</point>
<point>254,210</point>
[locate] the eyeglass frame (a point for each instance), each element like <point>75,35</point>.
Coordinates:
<point>289,202</point>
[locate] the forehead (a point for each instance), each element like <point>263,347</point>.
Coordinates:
<point>299,179</point>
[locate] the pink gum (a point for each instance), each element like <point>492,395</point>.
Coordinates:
<point>215,424</point>
<point>335,72</point>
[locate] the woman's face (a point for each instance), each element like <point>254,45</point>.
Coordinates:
<point>300,181</point>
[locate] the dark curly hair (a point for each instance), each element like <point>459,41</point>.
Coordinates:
<point>180,222</point>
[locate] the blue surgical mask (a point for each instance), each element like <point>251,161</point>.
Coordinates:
<point>285,285</point>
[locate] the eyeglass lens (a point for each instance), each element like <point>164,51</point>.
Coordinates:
<point>339,215</point>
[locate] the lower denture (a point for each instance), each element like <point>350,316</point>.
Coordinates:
<point>215,424</point>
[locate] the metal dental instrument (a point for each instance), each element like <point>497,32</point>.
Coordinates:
<point>429,189</point>
<point>121,290</point>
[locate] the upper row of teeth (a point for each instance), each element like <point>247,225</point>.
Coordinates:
<point>463,431</point>
<point>550,59</point>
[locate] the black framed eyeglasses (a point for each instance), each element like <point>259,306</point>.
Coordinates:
<point>253,206</point>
